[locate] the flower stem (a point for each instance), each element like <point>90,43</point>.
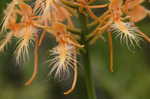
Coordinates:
<point>85,56</point>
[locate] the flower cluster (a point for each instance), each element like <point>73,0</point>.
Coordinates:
<point>30,21</point>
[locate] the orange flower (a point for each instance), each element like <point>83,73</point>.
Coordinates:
<point>10,10</point>
<point>30,23</point>
<point>52,11</point>
<point>136,11</point>
<point>125,30</point>
<point>64,54</point>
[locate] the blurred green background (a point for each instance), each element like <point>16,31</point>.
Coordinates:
<point>131,79</point>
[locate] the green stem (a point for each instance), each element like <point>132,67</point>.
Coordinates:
<point>86,58</point>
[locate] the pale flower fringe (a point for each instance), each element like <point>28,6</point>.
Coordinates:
<point>127,33</point>
<point>64,60</point>
<point>5,41</point>
<point>39,6</point>
<point>10,10</point>
<point>22,50</point>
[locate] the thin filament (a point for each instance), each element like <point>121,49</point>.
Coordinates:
<point>36,54</point>
<point>98,6</point>
<point>74,80</point>
<point>144,36</point>
<point>110,45</point>
<point>42,38</point>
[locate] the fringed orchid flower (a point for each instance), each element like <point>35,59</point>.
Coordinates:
<point>29,21</point>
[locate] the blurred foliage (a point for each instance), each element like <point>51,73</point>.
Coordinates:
<point>131,79</point>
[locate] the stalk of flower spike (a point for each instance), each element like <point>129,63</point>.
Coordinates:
<point>85,56</point>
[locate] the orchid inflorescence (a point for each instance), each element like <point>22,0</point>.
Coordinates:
<point>29,21</point>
